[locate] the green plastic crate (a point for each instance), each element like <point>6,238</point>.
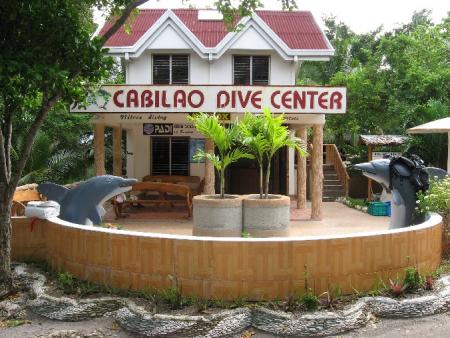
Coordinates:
<point>378,209</point>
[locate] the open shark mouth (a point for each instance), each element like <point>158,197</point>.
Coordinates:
<point>366,168</point>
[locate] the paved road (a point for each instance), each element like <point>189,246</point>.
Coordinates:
<point>433,326</point>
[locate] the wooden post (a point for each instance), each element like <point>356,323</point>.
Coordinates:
<point>317,173</point>
<point>209,188</point>
<point>301,171</point>
<point>369,181</point>
<point>117,151</point>
<point>99,149</point>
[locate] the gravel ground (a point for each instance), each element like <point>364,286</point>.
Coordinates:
<point>433,326</point>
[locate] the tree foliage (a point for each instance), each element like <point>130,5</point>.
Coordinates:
<point>263,135</point>
<point>48,61</point>
<point>226,140</point>
<point>394,81</point>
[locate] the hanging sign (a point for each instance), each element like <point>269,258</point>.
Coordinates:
<point>228,99</point>
<point>378,155</point>
<point>181,118</point>
<point>170,129</point>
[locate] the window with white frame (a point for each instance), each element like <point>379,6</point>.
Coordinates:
<point>171,69</point>
<point>251,69</point>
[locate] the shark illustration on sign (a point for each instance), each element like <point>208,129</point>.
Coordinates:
<point>404,177</point>
<point>83,204</point>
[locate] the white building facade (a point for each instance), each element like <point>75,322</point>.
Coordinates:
<point>192,49</point>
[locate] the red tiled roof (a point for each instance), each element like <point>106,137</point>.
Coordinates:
<point>297,29</point>
<point>209,32</point>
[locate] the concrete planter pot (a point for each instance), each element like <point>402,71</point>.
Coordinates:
<point>217,217</point>
<point>266,217</point>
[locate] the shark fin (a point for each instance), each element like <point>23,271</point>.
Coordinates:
<point>435,173</point>
<point>52,191</point>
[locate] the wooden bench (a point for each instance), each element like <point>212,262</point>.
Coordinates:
<point>22,196</point>
<point>195,183</point>
<point>163,190</point>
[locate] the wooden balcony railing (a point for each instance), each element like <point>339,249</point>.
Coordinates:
<point>333,157</point>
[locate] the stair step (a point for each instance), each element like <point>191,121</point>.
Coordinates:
<point>331,182</point>
<point>328,199</point>
<point>337,187</point>
<point>333,193</point>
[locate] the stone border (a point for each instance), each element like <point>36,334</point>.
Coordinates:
<point>136,319</point>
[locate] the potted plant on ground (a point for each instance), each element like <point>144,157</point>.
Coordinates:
<point>218,215</point>
<point>263,135</point>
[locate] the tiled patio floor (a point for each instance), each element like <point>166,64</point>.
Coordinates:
<point>338,219</point>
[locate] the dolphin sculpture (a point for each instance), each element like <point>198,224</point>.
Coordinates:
<point>83,204</point>
<point>404,177</point>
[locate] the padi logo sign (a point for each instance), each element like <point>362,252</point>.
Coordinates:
<point>158,129</point>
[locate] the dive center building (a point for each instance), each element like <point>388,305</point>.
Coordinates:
<point>183,61</point>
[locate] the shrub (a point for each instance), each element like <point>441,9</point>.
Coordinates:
<point>436,198</point>
<point>398,287</point>
<point>173,297</point>
<point>413,279</point>
<point>310,301</point>
<point>67,282</point>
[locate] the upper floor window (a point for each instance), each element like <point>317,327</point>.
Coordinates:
<point>251,70</point>
<point>171,69</point>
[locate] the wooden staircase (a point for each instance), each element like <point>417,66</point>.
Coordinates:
<point>335,176</point>
<point>332,185</point>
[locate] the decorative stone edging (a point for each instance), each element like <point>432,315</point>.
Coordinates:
<point>136,319</point>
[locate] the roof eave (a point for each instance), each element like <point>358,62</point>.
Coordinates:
<point>216,52</point>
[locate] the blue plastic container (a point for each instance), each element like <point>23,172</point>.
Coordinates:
<point>377,209</point>
<point>388,208</point>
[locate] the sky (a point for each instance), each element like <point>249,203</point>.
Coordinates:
<point>361,15</point>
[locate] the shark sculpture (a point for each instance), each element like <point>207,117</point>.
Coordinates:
<point>404,177</point>
<point>83,204</point>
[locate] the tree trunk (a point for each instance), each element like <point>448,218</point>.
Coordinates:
<point>222,183</point>
<point>261,184</point>
<point>5,240</point>
<point>267,178</point>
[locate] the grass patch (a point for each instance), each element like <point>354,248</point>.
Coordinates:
<point>12,323</point>
<point>355,202</point>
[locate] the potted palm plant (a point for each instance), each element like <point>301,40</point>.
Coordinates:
<point>266,215</point>
<point>218,215</point>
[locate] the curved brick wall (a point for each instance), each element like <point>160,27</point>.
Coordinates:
<point>228,267</point>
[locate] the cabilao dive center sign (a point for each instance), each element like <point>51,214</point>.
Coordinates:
<point>216,98</point>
